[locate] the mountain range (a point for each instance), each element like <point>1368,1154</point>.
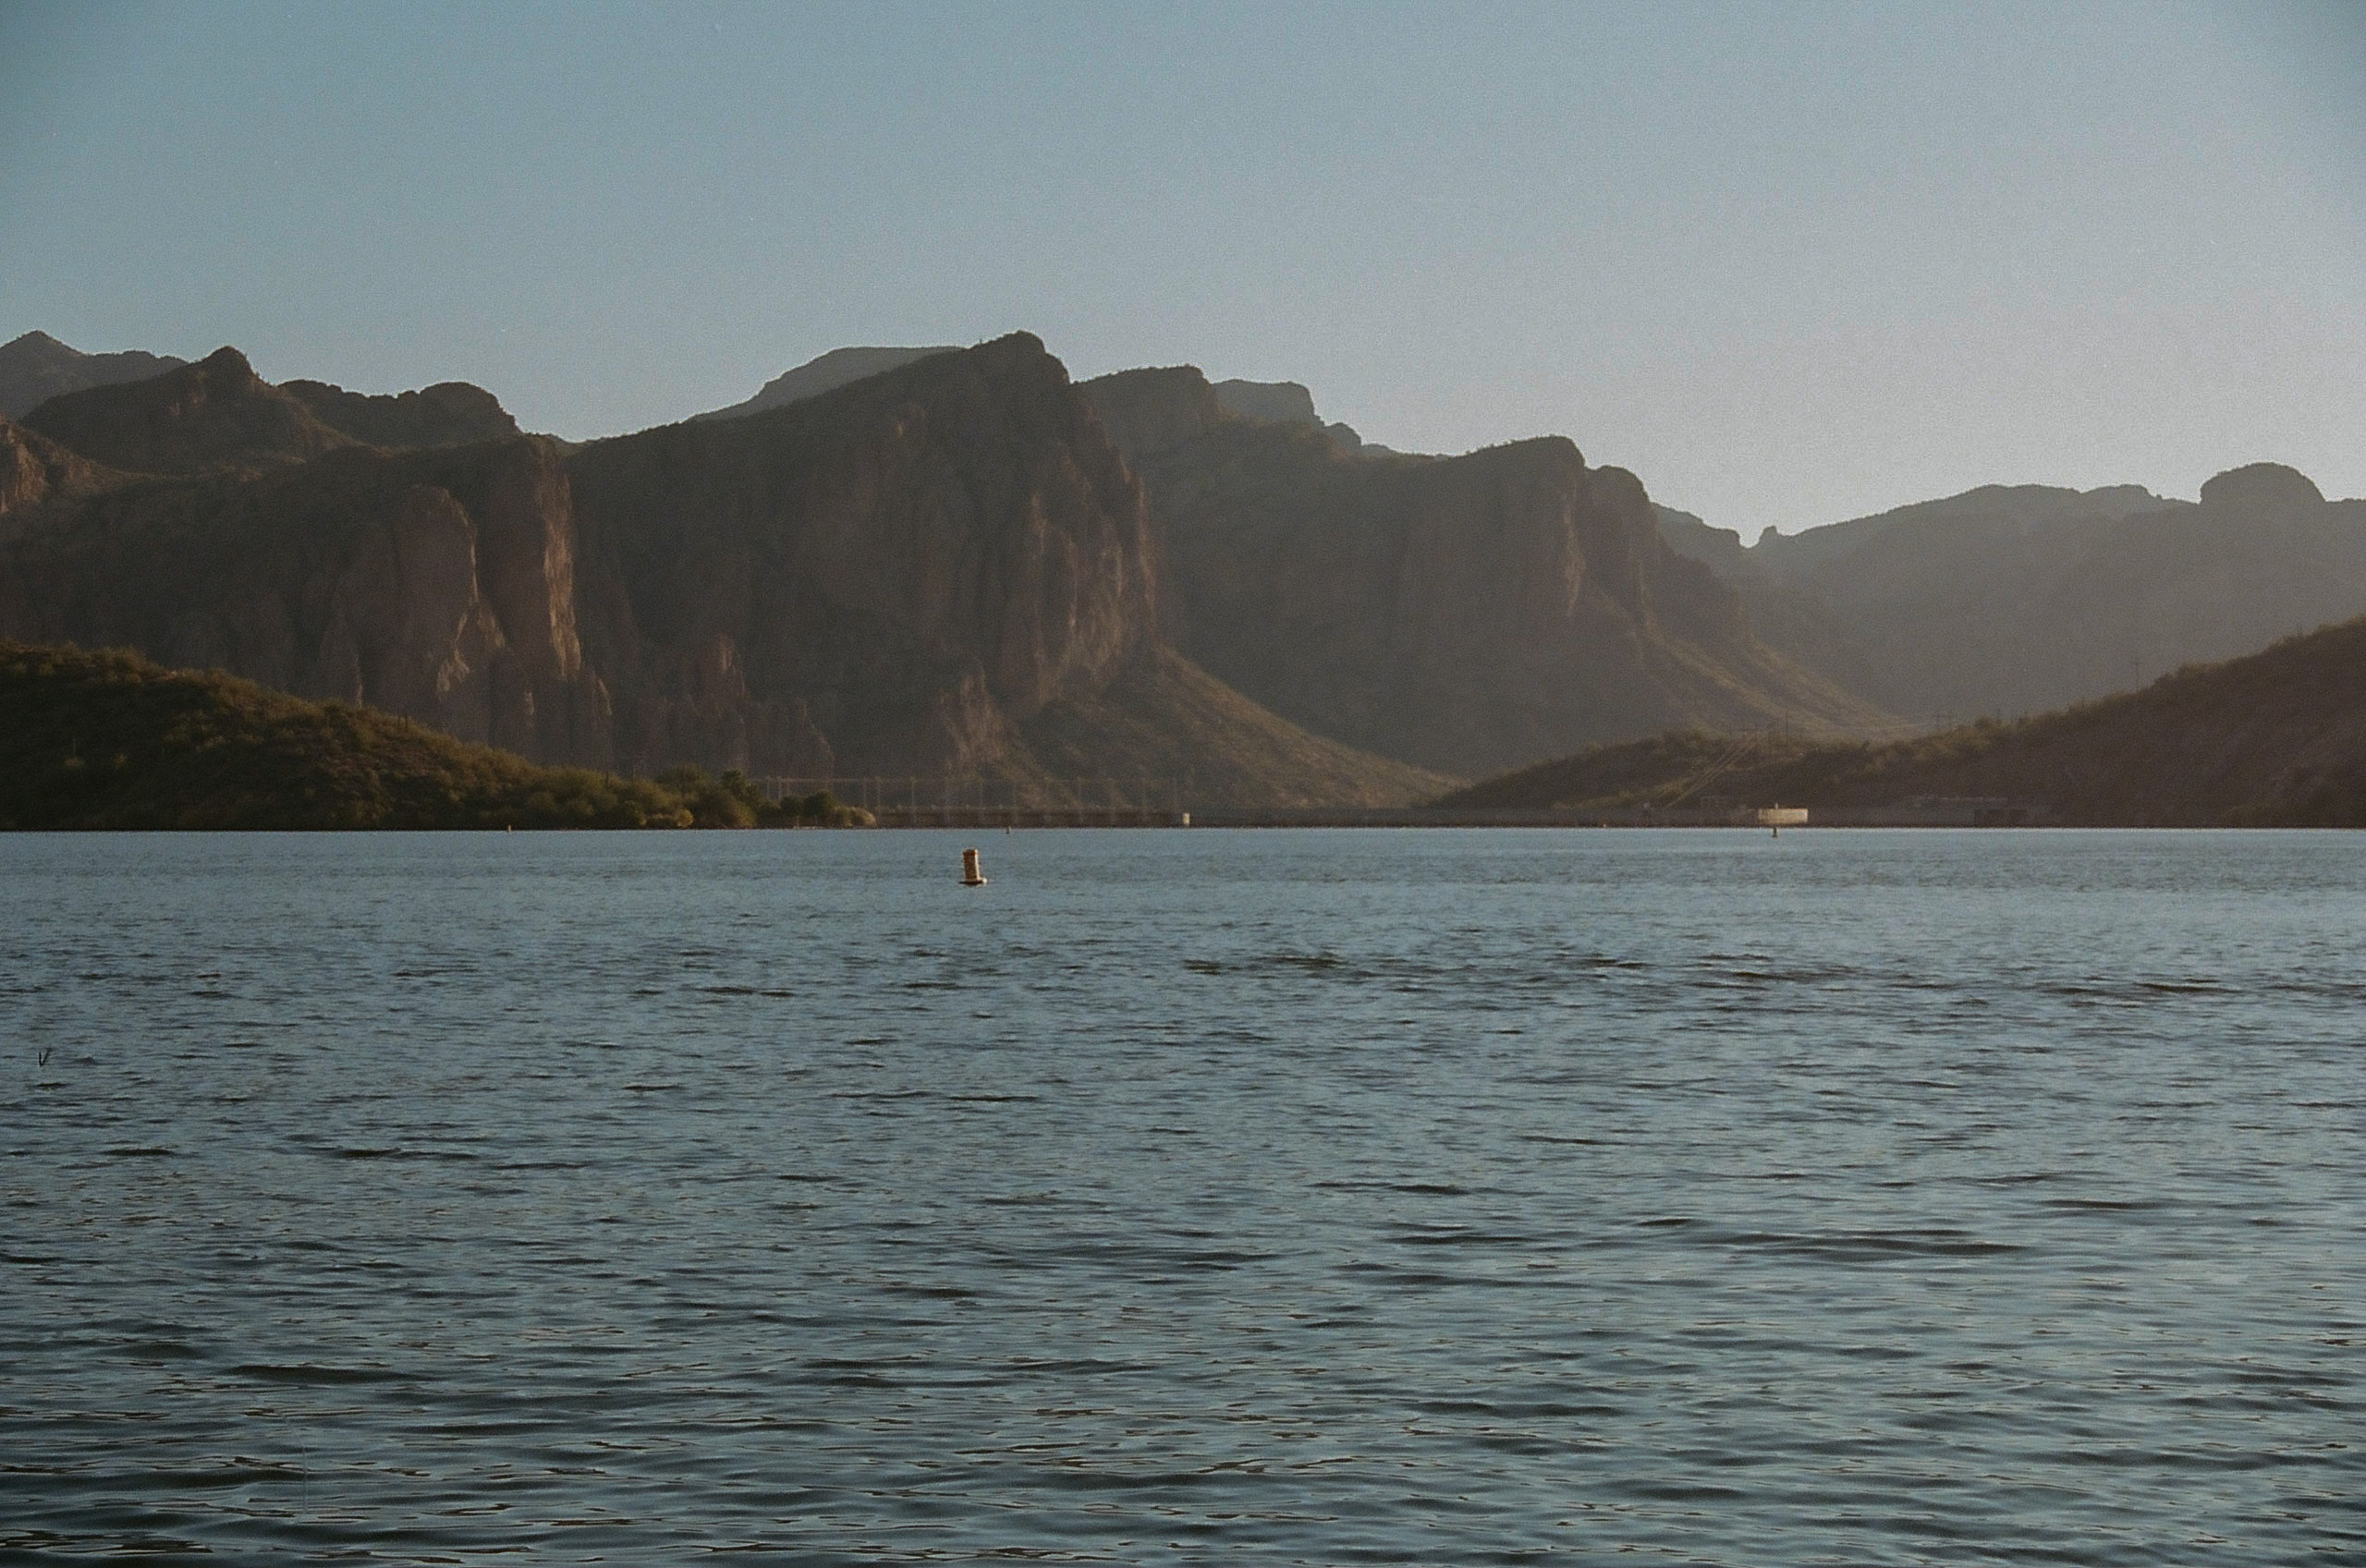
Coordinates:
<point>1465,614</point>
<point>36,367</point>
<point>2276,738</point>
<point>940,562</point>
<point>2014,600</point>
<point>942,569</point>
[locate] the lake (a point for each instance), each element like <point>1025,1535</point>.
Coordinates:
<point>1293,1195</point>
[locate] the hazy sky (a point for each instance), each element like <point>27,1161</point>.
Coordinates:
<point>1790,263</point>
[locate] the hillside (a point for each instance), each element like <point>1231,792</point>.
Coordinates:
<point>896,577</point>
<point>216,413</point>
<point>2010,599</point>
<point>2277,738</point>
<point>1164,717</point>
<point>108,740</point>
<point>1459,613</point>
<point>36,367</point>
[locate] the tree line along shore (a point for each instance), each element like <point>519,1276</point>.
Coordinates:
<point>106,739</point>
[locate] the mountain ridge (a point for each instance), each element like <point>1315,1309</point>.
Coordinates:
<point>2276,738</point>
<point>2007,599</point>
<point>35,366</point>
<point>1456,613</point>
<point>900,575</point>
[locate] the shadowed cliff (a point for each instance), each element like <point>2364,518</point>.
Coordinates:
<point>880,579</point>
<point>438,585</point>
<point>1460,614</point>
<point>2275,739</point>
<point>920,573</point>
<point>36,472</point>
<point>219,414</point>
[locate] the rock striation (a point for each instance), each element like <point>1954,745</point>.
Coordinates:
<point>880,579</point>
<point>1462,614</point>
<point>36,367</point>
<point>35,472</point>
<point>946,568</point>
<point>436,586</point>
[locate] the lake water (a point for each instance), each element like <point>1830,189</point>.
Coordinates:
<point>1289,1196</point>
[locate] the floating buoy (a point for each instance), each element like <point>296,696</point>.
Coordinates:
<point>971,875</point>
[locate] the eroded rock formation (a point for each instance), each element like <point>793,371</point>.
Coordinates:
<point>946,568</point>
<point>1464,613</point>
<point>216,413</point>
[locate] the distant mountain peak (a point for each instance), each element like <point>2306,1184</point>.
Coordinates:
<point>826,373</point>
<point>35,366</point>
<point>2268,486</point>
<point>227,362</point>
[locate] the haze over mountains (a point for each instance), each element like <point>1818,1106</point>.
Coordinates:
<point>955,561</point>
<point>2277,738</point>
<point>2012,599</point>
<point>1462,613</point>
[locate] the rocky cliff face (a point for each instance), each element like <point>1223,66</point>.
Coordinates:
<point>1156,410</point>
<point>36,367</point>
<point>36,472</point>
<point>882,579</point>
<point>1463,614</point>
<point>216,413</point>
<point>436,586</point>
<point>943,569</point>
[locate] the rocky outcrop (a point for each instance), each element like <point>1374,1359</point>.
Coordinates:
<point>946,568</point>
<point>437,586</point>
<point>214,414</point>
<point>839,366</point>
<point>36,472</point>
<point>1461,613</point>
<point>1154,410</point>
<point>1276,402</point>
<point>882,579</point>
<point>36,367</point>
<point>450,413</point>
<point>2262,487</point>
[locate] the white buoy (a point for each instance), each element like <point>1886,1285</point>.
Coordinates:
<point>971,875</point>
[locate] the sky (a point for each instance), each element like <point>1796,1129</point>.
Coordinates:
<point>1790,263</point>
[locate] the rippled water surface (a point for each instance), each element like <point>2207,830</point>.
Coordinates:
<point>1321,1196</point>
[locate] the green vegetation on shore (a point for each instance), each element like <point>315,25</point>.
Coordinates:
<point>108,740</point>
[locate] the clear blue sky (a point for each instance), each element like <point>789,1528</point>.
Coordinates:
<point>1790,263</point>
